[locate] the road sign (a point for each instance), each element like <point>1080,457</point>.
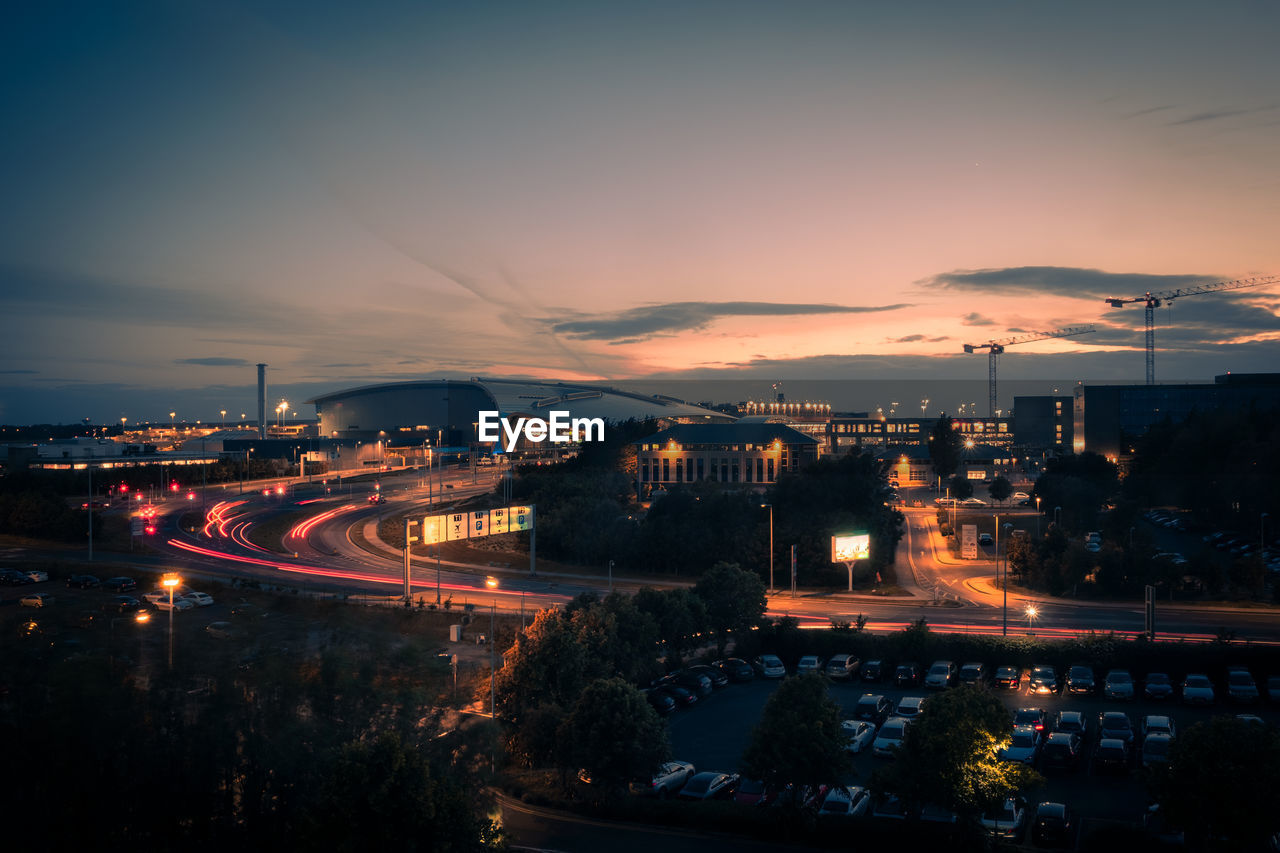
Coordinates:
<point>969,541</point>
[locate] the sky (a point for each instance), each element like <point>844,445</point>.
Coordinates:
<point>598,191</point>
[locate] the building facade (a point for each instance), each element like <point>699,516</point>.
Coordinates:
<point>751,455</point>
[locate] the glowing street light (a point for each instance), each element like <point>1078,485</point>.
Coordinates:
<point>1031,613</point>
<point>170,582</point>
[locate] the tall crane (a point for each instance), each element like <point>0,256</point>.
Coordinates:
<point>1152,301</point>
<point>995,348</point>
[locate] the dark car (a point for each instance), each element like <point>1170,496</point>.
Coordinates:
<point>1062,750</point>
<point>710,786</point>
<point>1043,680</point>
<point>1054,826</point>
<point>661,701</point>
<point>1240,685</point>
<point>1158,686</point>
<point>1035,717</point>
<point>683,698</point>
<point>873,670</point>
<point>1111,756</point>
<point>694,682</point>
<point>907,675</point>
<point>13,577</point>
<point>83,582</point>
<point>121,604</point>
<point>1080,680</point>
<point>735,669</point>
<point>1273,688</point>
<point>1115,725</point>
<point>973,673</point>
<point>1009,677</point>
<point>716,676</point>
<point>120,584</point>
<point>753,792</point>
<point>873,708</point>
<point>1072,722</point>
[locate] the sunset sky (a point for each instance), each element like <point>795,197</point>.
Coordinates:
<point>612,191</point>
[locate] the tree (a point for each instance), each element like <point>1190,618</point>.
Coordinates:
<point>961,487</point>
<point>615,735</point>
<point>679,615</point>
<point>949,756</point>
<point>735,600</point>
<point>944,448</point>
<point>1079,484</point>
<point>545,666</point>
<point>1221,781</point>
<point>1000,489</point>
<point>798,739</point>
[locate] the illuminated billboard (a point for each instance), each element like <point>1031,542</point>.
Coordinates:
<point>473,525</point>
<point>847,547</point>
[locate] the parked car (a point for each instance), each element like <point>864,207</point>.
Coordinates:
<point>36,575</point>
<point>1072,722</point>
<point>713,674</point>
<point>973,502</point>
<point>1009,677</point>
<point>1115,725</point>
<point>860,734</point>
<point>873,708</point>
<point>1062,750</point>
<point>941,675</point>
<point>36,599</point>
<point>682,697</point>
<point>178,604</point>
<point>1157,724</point>
<point>849,801</point>
<point>753,792</point>
<point>1007,820</point>
<point>668,779</point>
<point>808,663</point>
<point>661,701</point>
<point>1044,680</point>
<point>1111,756</point>
<point>735,669</point>
<point>220,630</point>
<point>843,667</point>
<point>83,582</point>
<point>199,599</point>
<point>1197,689</point>
<point>1055,825</point>
<point>120,584</point>
<point>1157,686</point>
<point>769,666</point>
<point>1024,746</point>
<point>890,736</point>
<point>1155,749</point>
<point>909,707</point>
<point>873,670</point>
<point>698,685</point>
<point>973,673</point>
<point>158,595</point>
<point>907,675</point>
<point>121,604</point>
<point>1118,685</point>
<point>985,540</point>
<point>889,807</point>
<point>13,577</point>
<point>1035,717</point>
<point>1080,680</point>
<point>1240,685</point>
<point>710,785</point>
<point>1273,688</point>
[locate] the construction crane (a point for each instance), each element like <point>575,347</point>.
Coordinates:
<point>1152,301</point>
<point>995,348</point>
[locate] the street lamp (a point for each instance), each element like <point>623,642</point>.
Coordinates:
<point>1004,607</point>
<point>170,582</point>
<point>770,508</point>
<point>1037,516</point>
<point>923,405</point>
<point>223,422</point>
<point>172,418</point>
<point>492,583</point>
<point>1031,614</point>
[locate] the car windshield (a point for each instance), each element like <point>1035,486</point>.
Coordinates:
<point>1024,740</point>
<point>892,731</point>
<point>1042,672</point>
<point>1119,678</point>
<point>1111,751</point>
<point>1026,716</point>
<point>1157,678</point>
<point>1005,672</point>
<point>770,660</point>
<point>939,669</point>
<point>1197,681</point>
<point>1240,678</point>
<point>1080,672</point>
<point>698,784</point>
<point>1069,721</point>
<point>1115,721</point>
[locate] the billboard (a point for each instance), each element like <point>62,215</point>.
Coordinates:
<point>480,523</point>
<point>474,525</point>
<point>969,541</point>
<point>498,521</point>
<point>519,518</point>
<point>457,526</point>
<point>433,529</point>
<point>846,547</point>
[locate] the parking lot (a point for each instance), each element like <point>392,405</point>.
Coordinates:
<point>713,734</point>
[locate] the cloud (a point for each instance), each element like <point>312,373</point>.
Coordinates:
<point>911,339</point>
<point>12,372</point>
<point>1214,115</point>
<point>646,321</point>
<point>213,362</point>
<point>973,318</point>
<point>1064,281</point>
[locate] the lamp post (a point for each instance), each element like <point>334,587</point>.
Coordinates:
<point>222,423</point>
<point>1031,613</point>
<point>1037,517</point>
<point>610,578</point>
<point>492,583</point>
<point>770,508</point>
<point>1004,606</point>
<point>1057,513</point>
<point>170,582</point>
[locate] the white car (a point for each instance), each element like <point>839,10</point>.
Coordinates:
<point>769,666</point>
<point>860,733</point>
<point>36,575</point>
<point>973,502</point>
<point>808,663</point>
<point>941,675</point>
<point>200,599</point>
<point>36,599</point>
<point>178,604</point>
<point>910,707</point>
<point>1158,724</point>
<point>156,595</point>
<point>851,801</point>
<point>1024,748</point>
<point>890,737</point>
<point>667,780</point>
<point>1019,496</point>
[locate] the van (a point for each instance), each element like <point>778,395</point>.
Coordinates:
<point>843,667</point>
